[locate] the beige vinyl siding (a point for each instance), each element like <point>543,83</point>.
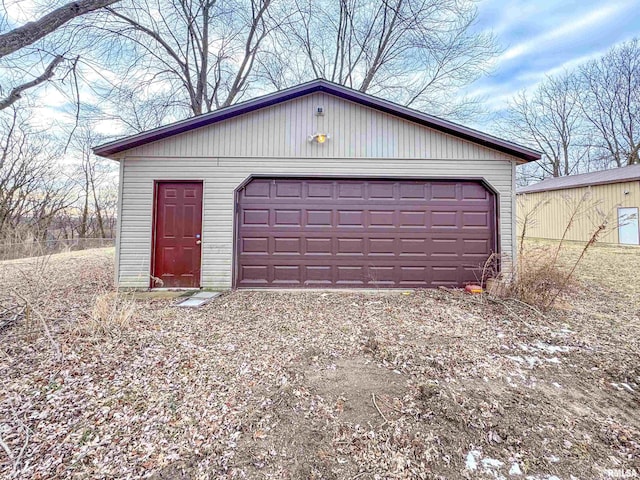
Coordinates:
<point>601,203</point>
<point>282,131</point>
<point>222,176</point>
<point>273,141</point>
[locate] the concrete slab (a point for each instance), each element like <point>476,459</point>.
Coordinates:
<point>198,299</point>
<point>192,302</point>
<point>207,295</point>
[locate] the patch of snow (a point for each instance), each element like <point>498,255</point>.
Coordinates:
<point>533,361</point>
<point>475,462</point>
<point>491,463</point>
<point>472,460</point>
<point>556,384</point>
<point>515,470</point>
<point>546,347</point>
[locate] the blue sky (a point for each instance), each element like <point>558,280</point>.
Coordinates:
<point>544,37</point>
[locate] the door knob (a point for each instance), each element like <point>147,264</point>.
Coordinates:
<point>198,242</point>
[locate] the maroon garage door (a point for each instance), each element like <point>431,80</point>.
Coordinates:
<point>362,233</point>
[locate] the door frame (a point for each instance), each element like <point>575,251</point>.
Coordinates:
<point>152,266</point>
<point>637,221</point>
<point>235,254</point>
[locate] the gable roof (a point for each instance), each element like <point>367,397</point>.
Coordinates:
<point>319,85</point>
<point>614,175</point>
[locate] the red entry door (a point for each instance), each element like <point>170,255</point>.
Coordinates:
<point>178,235</point>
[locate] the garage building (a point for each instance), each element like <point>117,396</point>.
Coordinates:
<point>316,186</point>
<point>610,196</point>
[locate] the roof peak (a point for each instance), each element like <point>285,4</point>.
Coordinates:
<point>313,86</point>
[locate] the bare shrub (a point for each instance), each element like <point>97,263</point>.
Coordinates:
<point>540,277</point>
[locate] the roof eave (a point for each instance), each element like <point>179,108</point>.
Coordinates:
<point>112,148</point>
<point>580,185</point>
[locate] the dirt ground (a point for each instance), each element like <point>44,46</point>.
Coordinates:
<point>259,385</point>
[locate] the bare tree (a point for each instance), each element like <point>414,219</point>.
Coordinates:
<point>196,54</point>
<point>94,178</point>
<point>20,40</point>
<point>611,103</point>
<point>415,52</point>
<point>200,55</point>
<point>32,189</point>
<point>550,120</point>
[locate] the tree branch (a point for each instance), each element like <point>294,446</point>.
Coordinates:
<point>31,32</point>
<point>16,93</point>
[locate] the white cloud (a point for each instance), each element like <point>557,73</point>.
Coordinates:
<point>587,22</point>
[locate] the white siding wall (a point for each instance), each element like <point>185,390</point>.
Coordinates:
<point>273,141</point>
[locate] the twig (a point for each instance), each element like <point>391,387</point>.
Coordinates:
<point>527,305</point>
<point>6,448</point>
<point>362,474</point>
<point>16,463</point>
<point>373,397</point>
<point>47,332</point>
<point>392,407</point>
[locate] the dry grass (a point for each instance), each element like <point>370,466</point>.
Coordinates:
<point>111,315</point>
<point>539,280</point>
<point>434,384</point>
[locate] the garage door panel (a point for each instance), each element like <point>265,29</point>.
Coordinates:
<point>444,191</point>
<point>255,245</point>
<point>413,191</point>
<point>351,190</point>
<point>257,189</point>
<point>289,274</point>
<point>444,219</point>
<point>350,275</point>
<point>444,275</point>
<point>319,218</point>
<point>255,274</point>
<point>409,219</point>
<point>475,219</point>
<point>288,189</point>
<point>318,246</point>
<point>382,247</point>
<point>413,246</point>
<point>318,274</point>
<point>377,233</point>
<point>381,218</point>
<point>350,218</point>
<point>474,191</point>
<point>381,190</point>
<point>287,218</point>
<point>350,246</point>
<point>287,245</point>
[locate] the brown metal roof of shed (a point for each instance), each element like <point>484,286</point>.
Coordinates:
<point>614,175</point>
<point>319,85</point>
